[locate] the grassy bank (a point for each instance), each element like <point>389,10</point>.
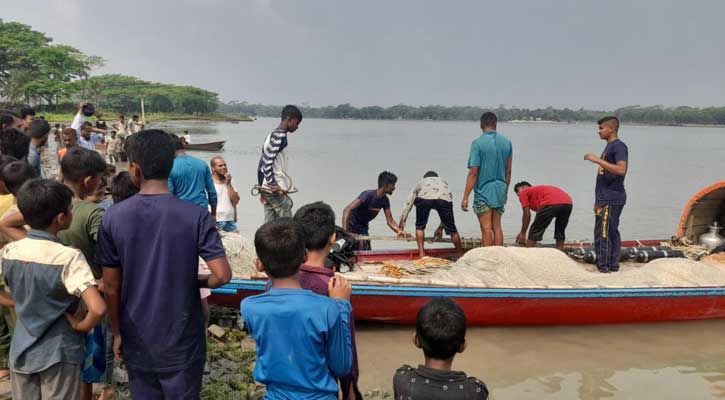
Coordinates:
<point>66,118</point>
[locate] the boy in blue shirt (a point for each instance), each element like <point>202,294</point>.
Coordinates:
<point>303,339</point>
<point>610,195</point>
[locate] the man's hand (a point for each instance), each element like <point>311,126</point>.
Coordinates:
<point>117,346</point>
<point>339,288</point>
<point>591,157</point>
<point>521,238</point>
<point>74,321</point>
<point>228,179</point>
<point>464,205</point>
<point>402,233</point>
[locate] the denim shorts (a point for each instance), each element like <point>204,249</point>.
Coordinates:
<point>227,226</point>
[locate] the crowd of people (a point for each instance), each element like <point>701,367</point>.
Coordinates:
<point>489,178</point>
<point>98,264</point>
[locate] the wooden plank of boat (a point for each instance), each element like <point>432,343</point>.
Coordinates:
<point>211,146</point>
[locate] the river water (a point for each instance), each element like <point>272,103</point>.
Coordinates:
<point>335,160</point>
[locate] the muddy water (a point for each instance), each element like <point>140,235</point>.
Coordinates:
<point>659,361</point>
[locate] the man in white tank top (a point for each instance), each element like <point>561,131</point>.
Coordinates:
<point>227,197</point>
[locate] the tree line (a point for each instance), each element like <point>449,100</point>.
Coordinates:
<point>54,77</point>
<point>655,115</point>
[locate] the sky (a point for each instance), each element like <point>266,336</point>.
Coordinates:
<point>532,53</point>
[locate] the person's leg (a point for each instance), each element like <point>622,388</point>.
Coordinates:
<point>422,213</point>
<point>448,220</point>
<point>285,210</point>
<point>144,385</point>
<point>601,238</point>
<point>484,220</point>
<point>615,212</point>
<point>496,225</point>
<point>538,227</point>
<point>61,382</point>
<point>25,386</point>
<point>205,311</point>
<point>107,378</point>
<point>184,384</point>
<point>563,212</point>
<point>6,337</point>
<point>269,213</point>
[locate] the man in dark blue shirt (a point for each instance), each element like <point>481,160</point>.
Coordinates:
<point>357,215</point>
<point>149,246</point>
<point>610,195</point>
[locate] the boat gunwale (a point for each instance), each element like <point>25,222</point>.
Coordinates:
<point>235,285</point>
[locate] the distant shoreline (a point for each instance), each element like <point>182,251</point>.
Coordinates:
<point>152,117</point>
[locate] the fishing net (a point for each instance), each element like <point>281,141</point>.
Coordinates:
<point>241,254</point>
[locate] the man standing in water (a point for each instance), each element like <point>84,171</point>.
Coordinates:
<point>610,195</point>
<point>489,172</point>
<point>272,175</point>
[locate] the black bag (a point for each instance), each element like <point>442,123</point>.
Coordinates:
<point>342,252</point>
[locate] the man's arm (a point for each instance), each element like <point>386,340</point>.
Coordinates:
<point>619,169</point>
<point>112,278</point>
<point>12,227</point>
<point>470,183</point>
<point>211,192</point>
<point>408,206</point>
<point>221,273</point>
<point>233,195</point>
<point>269,156</point>
<point>339,345</point>
<point>79,119</point>
<point>346,213</point>
<point>525,221</point>
<point>391,223</point>
<point>508,173</point>
<point>96,308</point>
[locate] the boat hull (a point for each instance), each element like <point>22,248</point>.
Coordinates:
<point>211,146</point>
<point>495,306</point>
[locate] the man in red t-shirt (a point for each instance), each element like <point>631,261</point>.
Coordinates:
<point>549,202</point>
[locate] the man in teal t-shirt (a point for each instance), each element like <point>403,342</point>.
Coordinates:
<point>489,173</point>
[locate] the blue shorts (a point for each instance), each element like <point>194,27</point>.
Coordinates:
<point>227,226</point>
<point>98,359</point>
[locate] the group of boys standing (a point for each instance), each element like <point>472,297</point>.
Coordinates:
<point>489,178</point>
<point>86,283</point>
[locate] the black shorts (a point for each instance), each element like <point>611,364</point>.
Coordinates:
<point>444,209</point>
<point>543,218</point>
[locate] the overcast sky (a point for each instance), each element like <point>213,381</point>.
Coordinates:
<point>596,54</point>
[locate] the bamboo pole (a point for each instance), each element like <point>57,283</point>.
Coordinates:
<point>143,114</point>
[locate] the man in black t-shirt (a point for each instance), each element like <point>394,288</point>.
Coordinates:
<point>610,195</point>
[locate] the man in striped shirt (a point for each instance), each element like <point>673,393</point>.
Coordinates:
<point>272,170</point>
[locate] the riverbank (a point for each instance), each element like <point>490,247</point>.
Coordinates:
<point>66,118</point>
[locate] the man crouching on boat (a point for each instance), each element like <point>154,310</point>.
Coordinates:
<point>272,178</point>
<point>549,202</point>
<point>431,193</point>
<point>357,215</point>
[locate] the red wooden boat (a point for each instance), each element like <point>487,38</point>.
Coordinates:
<point>399,304</point>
